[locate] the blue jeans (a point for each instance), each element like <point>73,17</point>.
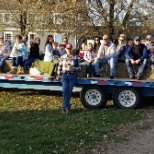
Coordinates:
<point>16,61</point>
<point>141,68</point>
<point>28,62</point>
<point>112,62</point>
<point>68,82</point>
<point>2,61</point>
<point>90,67</point>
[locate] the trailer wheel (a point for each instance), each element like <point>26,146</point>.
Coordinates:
<point>126,98</point>
<point>93,97</point>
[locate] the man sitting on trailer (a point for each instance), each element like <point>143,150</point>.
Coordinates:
<point>136,54</point>
<point>106,55</point>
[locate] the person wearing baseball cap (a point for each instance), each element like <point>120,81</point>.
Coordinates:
<point>68,67</point>
<point>106,55</point>
<point>136,54</point>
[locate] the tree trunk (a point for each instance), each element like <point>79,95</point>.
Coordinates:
<point>23,22</point>
<point>111,19</point>
<point>126,18</point>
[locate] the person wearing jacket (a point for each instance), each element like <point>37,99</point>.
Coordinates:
<point>150,47</point>
<point>136,54</point>
<point>121,49</point>
<point>19,54</point>
<point>4,52</point>
<point>48,57</point>
<point>106,55</point>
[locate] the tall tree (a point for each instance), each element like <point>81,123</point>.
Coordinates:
<point>26,15</point>
<point>120,16</point>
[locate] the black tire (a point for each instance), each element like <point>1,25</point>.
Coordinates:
<point>93,97</point>
<point>127,98</point>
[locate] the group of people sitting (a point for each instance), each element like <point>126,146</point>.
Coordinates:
<point>132,52</point>
<point>20,55</point>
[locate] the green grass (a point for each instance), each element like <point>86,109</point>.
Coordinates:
<point>31,122</point>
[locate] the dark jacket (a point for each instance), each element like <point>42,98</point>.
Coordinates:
<point>136,52</point>
<point>34,50</point>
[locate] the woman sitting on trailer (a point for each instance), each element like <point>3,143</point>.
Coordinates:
<point>34,53</point>
<point>48,57</point>
<point>19,54</point>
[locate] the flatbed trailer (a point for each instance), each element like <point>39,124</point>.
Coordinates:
<point>94,92</point>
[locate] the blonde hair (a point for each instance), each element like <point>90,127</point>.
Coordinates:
<point>84,45</point>
<point>123,35</point>
<point>90,44</point>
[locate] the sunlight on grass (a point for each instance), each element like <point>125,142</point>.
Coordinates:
<point>31,122</point>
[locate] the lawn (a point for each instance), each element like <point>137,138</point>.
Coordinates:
<point>31,122</point>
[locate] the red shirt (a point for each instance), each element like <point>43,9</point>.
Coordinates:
<point>81,54</point>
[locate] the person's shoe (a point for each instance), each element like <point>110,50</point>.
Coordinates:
<point>68,111</point>
<point>111,77</point>
<point>132,77</point>
<point>138,77</point>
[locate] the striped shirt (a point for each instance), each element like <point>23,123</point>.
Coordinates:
<point>67,61</point>
<point>5,50</point>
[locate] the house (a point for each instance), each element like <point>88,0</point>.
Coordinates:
<point>11,21</point>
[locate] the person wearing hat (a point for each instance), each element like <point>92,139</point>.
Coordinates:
<point>106,55</point>
<point>68,67</point>
<point>136,54</point>
<point>4,52</point>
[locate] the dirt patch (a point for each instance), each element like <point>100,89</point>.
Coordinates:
<point>139,138</point>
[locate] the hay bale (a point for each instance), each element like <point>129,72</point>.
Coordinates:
<point>7,66</point>
<point>82,73</point>
<point>120,72</point>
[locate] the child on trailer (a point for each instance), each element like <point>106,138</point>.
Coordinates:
<point>82,51</point>
<point>89,59</point>
<point>56,54</point>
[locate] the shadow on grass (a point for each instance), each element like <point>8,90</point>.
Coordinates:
<point>148,103</point>
<point>38,92</point>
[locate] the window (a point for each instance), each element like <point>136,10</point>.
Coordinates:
<point>8,37</point>
<point>57,18</point>
<point>58,38</point>
<point>31,37</point>
<point>7,17</point>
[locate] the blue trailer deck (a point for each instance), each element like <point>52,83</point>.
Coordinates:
<point>94,92</point>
